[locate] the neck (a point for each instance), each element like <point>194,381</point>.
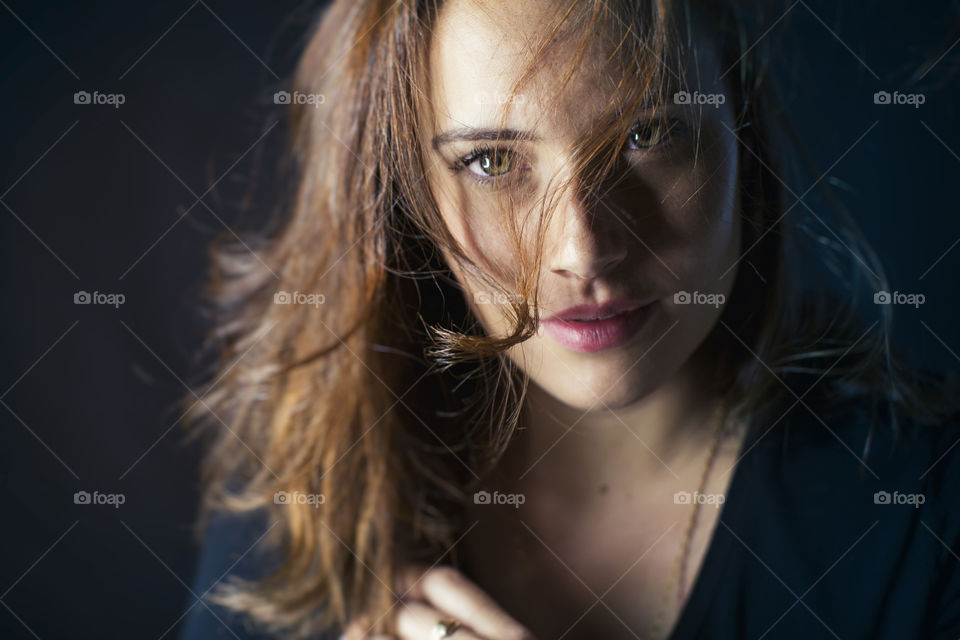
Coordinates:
<point>661,434</point>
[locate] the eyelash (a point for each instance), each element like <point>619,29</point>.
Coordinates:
<point>477,153</point>
<point>673,125</point>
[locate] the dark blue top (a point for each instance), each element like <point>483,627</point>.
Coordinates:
<point>810,543</point>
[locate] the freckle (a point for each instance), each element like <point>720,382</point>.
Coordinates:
<point>604,489</point>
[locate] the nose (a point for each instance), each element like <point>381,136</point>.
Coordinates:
<point>588,238</point>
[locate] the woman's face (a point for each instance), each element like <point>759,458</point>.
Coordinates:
<point>648,250</point>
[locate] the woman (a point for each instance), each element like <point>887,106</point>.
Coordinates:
<point>540,349</point>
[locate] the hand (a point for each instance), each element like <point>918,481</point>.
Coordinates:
<point>443,593</point>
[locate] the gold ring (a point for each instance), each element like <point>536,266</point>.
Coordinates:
<point>444,629</point>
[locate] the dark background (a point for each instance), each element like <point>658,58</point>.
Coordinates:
<point>119,200</point>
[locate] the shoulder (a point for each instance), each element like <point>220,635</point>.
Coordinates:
<point>862,501</point>
<point>849,462</point>
<point>233,547</point>
<point>835,427</point>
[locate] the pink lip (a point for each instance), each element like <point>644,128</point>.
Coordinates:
<point>574,328</point>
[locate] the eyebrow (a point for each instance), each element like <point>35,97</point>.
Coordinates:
<point>476,134</point>
<point>472,134</point>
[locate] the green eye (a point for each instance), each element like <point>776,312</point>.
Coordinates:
<point>494,163</point>
<point>647,135</point>
<point>487,165</point>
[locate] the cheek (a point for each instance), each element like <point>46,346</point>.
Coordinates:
<point>715,227</point>
<point>488,247</point>
<point>703,206</point>
<point>723,216</point>
<point>478,228</point>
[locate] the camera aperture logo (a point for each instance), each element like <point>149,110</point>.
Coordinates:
<point>112,99</point>
<point>497,297</point>
<point>711,99</point>
<point>112,299</point>
<point>913,499</point>
<point>112,499</point>
<point>685,497</point>
<point>285,297</point>
<point>896,297</point>
<point>911,99</point>
<point>713,299</point>
<point>297,97</point>
<point>297,497</point>
<point>485,497</point>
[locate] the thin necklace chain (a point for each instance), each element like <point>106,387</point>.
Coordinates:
<point>680,563</point>
<point>679,569</point>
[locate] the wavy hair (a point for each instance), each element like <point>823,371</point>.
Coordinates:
<point>388,399</point>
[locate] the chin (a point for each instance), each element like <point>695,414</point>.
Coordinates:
<point>595,399</point>
<point>600,385</point>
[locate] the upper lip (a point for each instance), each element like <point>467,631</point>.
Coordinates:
<point>592,311</point>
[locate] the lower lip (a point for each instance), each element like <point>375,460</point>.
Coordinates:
<point>598,335</point>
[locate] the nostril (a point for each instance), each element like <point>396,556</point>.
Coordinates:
<point>588,269</point>
<point>584,249</point>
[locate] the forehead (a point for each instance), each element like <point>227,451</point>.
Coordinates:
<point>479,50</point>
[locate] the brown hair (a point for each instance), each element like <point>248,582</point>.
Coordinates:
<point>388,399</point>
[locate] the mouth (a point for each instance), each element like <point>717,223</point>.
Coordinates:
<point>594,319</point>
<point>590,328</point>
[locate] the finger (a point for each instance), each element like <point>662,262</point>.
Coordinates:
<point>354,631</point>
<point>416,621</point>
<point>458,597</point>
<point>361,630</point>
